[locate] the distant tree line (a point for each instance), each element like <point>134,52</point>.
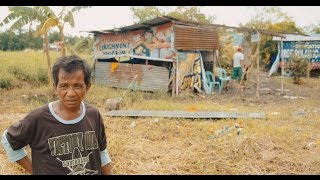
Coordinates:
<point>19,41</point>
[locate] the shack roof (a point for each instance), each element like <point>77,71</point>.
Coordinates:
<point>166,19</point>
<point>147,24</point>
<point>291,37</point>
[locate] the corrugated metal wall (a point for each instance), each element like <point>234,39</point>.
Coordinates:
<point>150,78</point>
<point>194,38</point>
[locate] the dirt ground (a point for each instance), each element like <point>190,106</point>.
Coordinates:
<point>287,142</point>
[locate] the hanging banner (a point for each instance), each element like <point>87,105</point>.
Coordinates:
<point>309,50</point>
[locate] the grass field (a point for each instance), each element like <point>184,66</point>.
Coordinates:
<point>287,142</point>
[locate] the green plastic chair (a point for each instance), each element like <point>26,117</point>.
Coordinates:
<point>223,78</point>
<point>211,81</point>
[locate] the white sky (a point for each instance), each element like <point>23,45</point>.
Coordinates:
<point>109,17</point>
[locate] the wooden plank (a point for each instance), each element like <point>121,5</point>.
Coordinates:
<point>185,114</point>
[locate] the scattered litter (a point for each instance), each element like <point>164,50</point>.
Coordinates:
<point>265,89</point>
<point>227,130</point>
<point>285,90</point>
<point>133,124</point>
<point>316,110</point>
<point>275,113</point>
<point>310,145</point>
<point>153,121</point>
<point>300,113</point>
<point>294,97</point>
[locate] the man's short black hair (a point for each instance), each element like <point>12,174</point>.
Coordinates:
<point>71,64</point>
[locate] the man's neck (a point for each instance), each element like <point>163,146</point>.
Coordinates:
<point>66,113</point>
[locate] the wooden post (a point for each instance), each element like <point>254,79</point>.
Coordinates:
<point>308,69</point>
<point>173,79</point>
<point>177,75</point>
<point>282,65</point>
<point>214,58</point>
<point>257,55</point>
<point>258,78</point>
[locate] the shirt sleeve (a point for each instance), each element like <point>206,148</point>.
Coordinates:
<point>105,158</point>
<point>20,134</point>
<point>13,155</point>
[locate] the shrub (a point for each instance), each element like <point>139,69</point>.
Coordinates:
<point>299,68</point>
<point>42,76</point>
<point>6,81</point>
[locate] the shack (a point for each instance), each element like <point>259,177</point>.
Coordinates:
<point>307,46</point>
<point>162,54</point>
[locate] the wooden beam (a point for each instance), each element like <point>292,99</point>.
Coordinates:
<point>185,114</point>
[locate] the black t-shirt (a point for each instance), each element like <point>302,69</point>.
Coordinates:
<point>59,148</point>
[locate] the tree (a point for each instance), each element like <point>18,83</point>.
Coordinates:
<point>315,28</point>
<point>54,36</point>
<point>272,19</point>
<point>181,12</point>
<point>22,16</point>
<point>83,45</point>
<point>300,68</point>
<point>64,16</point>
<point>191,14</point>
<point>145,13</point>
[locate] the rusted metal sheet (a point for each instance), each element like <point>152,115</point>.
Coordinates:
<point>195,38</point>
<point>186,114</point>
<point>120,75</point>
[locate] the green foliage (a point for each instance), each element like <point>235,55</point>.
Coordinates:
<point>267,49</point>
<point>272,19</point>
<point>6,81</point>
<point>42,76</point>
<point>10,41</point>
<point>54,36</point>
<point>225,48</point>
<point>315,28</point>
<point>299,68</point>
<point>24,67</point>
<point>192,13</point>
<point>145,13</point>
<point>83,45</point>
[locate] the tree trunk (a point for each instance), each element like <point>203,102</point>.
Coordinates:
<point>63,50</point>
<point>48,58</point>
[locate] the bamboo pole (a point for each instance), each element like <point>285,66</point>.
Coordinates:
<point>257,55</point>
<point>177,76</point>
<point>173,80</point>
<point>282,65</point>
<point>214,58</point>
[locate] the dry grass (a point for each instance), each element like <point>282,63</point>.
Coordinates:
<point>284,143</point>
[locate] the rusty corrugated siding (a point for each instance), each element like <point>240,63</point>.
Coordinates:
<point>150,78</point>
<point>194,38</point>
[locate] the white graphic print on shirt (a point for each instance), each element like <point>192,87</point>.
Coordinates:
<point>74,143</point>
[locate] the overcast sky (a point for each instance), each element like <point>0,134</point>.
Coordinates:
<point>108,17</point>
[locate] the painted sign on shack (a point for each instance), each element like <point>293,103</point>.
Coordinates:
<point>308,50</point>
<point>155,42</point>
<point>164,54</point>
<point>305,46</point>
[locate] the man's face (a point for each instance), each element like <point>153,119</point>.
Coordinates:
<point>71,89</point>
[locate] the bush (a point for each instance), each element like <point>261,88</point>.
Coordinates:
<point>42,76</point>
<point>37,77</point>
<point>6,81</point>
<point>299,68</point>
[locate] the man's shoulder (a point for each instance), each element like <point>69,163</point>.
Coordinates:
<point>37,113</point>
<point>91,108</point>
<point>39,110</point>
